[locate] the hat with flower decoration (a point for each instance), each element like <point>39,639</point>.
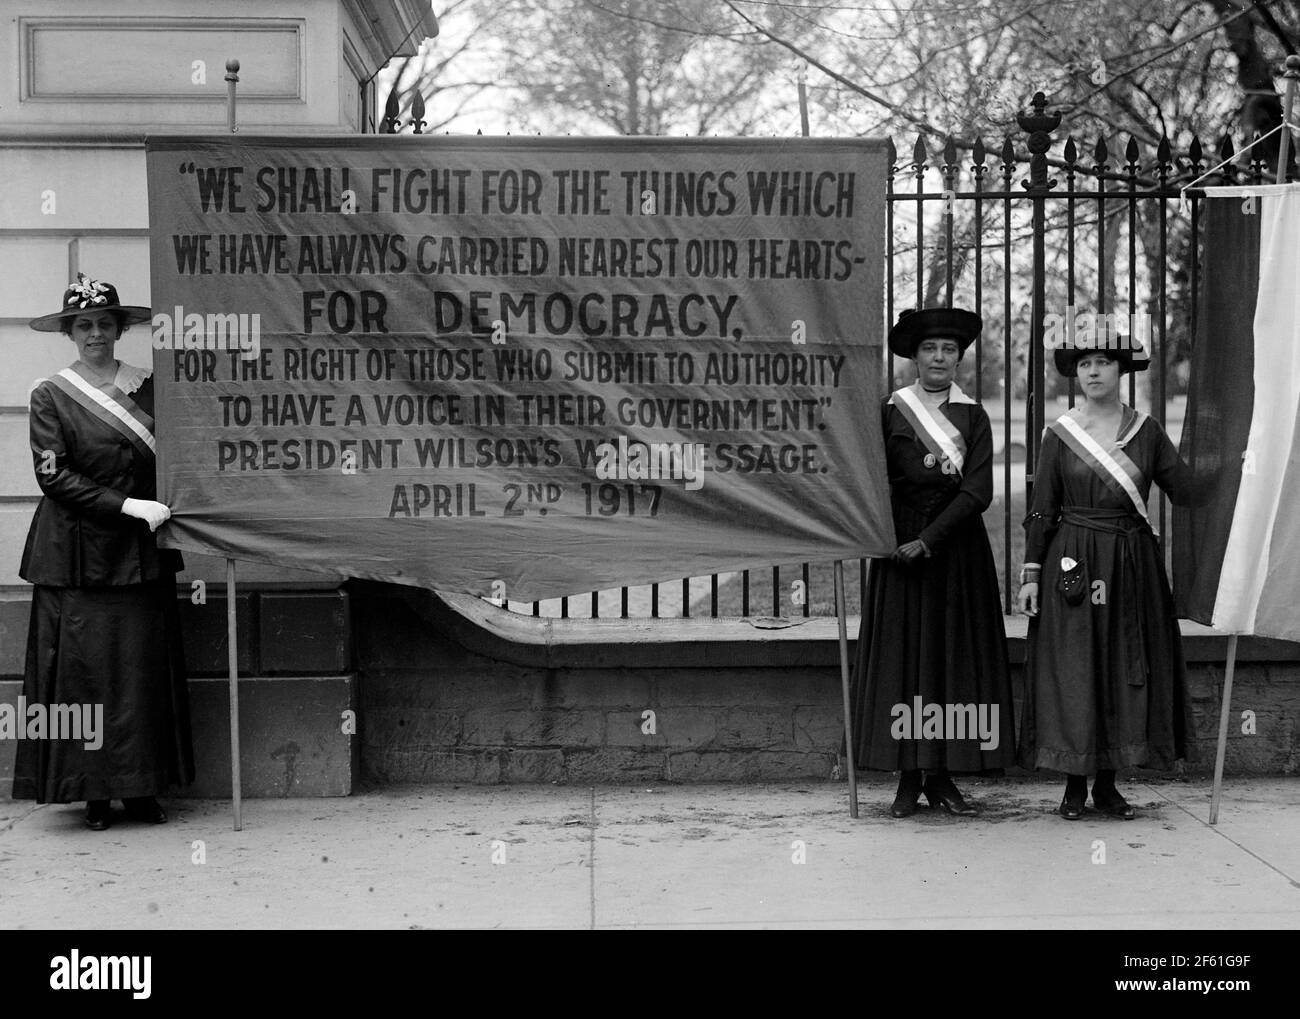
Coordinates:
<point>87,296</point>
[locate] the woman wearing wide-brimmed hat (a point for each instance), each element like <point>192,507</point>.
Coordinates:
<point>1104,666</point>
<point>104,627</point>
<point>932,638</point>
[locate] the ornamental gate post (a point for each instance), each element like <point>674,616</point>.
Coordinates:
<point>1039,124</point>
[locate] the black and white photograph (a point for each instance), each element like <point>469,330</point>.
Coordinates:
<point>625,465</point>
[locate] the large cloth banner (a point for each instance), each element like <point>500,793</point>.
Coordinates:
<point>519,368</point>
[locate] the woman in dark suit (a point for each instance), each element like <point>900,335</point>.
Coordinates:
<point>931,691</point>
<point>104,631</point>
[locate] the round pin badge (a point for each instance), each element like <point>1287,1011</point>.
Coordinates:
<point>929,460</point>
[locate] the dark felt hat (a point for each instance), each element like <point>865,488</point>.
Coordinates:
<point>1130,354</point>
<point>87,296</point>
<point>934,324</point>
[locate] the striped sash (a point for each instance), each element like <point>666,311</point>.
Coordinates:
<point>939,435</point>
<point>1120,474</point>
<point>113,407</point>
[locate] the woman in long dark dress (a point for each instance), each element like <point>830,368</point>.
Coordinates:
<point>931,689</point>
<point>1104,666</point>
<point>104,629</point>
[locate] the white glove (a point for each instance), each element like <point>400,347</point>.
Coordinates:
<point>152,513</point>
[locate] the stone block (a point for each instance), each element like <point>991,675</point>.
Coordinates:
<point>10,690</point>
<point>15,612</point>
<point>755,728</point>
<point>304,632</point>
<point>676,726</point>
<point>402,726</point>
<point>532,765</point>
<point>558,728</point>
<point>204,628</point>
<point>612,688</point>
<point>751,687</point>
<point>291,736</point>
<point>819,727</point>
<point>402,764</point>
<point>747,766</point>
<point>614,764</point>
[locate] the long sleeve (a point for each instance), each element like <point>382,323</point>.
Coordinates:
<point>50,455</point>
<point>1174,475</point>
<point>976,490</point>
<point>1045,511</point>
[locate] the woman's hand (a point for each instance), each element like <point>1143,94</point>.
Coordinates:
<point>152,513</point>
<point>910,552</point>
<point>1027,600</point>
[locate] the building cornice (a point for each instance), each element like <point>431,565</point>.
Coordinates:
<point>392,28</point>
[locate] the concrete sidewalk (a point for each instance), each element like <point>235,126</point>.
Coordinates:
<point>620,856</point>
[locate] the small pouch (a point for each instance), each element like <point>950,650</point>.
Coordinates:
<point>1074,581</point>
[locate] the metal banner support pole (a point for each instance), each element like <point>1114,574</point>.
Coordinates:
<point>841,611</point>
<point>1224,711</point>
<point>232,653</point>
<point>232,628</point>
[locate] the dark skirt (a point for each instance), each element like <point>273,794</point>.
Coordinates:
<point>1105,680</point>
<point>119,647</point>
<point>934,630</point>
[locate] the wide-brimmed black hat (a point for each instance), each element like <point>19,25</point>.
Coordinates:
<point>87,296</point>
<point>1127,351</point>
<point>934,324</point>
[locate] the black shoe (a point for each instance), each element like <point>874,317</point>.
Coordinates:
<point>99,814</point>
<point>144,808</point>
<point>909,791</point>
<point>1076,791</point>
<point>940,791</point>
<point>1109,801</point>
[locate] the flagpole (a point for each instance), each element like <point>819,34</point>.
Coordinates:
<point>1224,712</point>
<point>841,613</point>
<point>803,99</point>
<point>232,661</point>
<point>1288,105</point>
<point>232,628</point>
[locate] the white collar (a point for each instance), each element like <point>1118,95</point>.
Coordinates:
<point>129,378</point>
<point>1131,421</point>
<point>955,395</point>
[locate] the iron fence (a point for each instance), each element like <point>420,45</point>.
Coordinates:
<point>994,231</point>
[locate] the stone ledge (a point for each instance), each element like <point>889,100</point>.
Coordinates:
<point>536,642</point>
<point>494,765</point>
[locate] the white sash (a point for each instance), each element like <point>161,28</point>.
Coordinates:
<point>111,406</point>
<point>1101,459</point>
<point>922,415</point>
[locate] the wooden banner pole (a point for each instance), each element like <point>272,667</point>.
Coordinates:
<point>841,611</point>
<point>1224,711</point>
<point>232,652</point>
